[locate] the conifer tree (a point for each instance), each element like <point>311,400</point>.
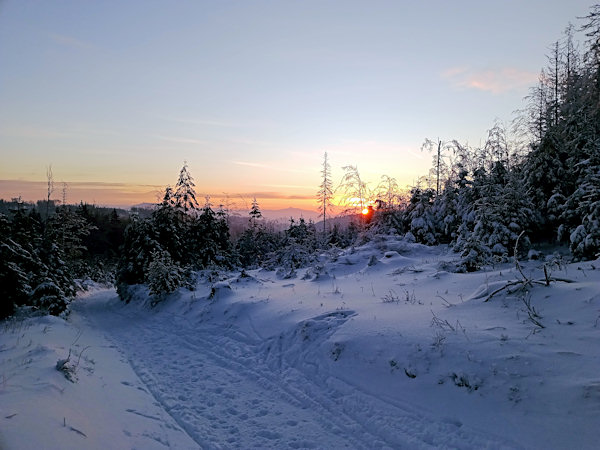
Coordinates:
<point>255,213</point>
<point>185,196</point>
<point>325,193</point>
<point>14,283</point>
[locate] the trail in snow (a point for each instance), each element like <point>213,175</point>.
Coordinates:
<point>231,389</point>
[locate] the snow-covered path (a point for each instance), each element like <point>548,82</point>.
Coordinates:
<point>228,389</point>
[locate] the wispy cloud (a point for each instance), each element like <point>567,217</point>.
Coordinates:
<point>35,132</point>
<point>27,184</point>
<point>269,167</point>
<point>95,192</point>
<point>275,195</point>
<point>69,41</point>
<point>69,130</point>
<point>289,186</point>
<point>208,122</point>
<point>496,81</point>
<point>356,147</point>
<point>251,164</point>
<point>181,140</point>
<point>252,142</point>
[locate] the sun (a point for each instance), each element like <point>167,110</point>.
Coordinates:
<point>365,211</point>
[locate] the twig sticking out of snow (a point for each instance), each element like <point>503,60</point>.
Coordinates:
<point>81,433</point>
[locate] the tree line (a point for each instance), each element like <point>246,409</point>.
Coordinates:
<point>547,184</point>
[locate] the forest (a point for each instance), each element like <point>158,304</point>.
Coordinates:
<point>538,179</point>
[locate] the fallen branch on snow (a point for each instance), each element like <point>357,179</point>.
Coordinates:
<point>525,282</point>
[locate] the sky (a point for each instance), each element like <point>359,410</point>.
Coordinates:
<point>116,95</point>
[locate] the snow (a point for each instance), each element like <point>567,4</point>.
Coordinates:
<point>380,347</point>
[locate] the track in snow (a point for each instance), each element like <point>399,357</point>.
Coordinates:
<point>230,390</point>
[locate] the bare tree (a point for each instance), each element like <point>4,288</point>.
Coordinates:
<point>354,190</point>
<point>50,179</point>
<point>441,159</point>
<point>388,191</point>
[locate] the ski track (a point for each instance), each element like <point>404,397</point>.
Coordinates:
<point>229,390</point>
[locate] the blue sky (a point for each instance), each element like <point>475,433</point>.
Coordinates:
<point>115,95</point>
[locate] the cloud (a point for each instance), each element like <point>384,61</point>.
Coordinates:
<point>251,164</point>
<point>35,132</point>
<point>217,123</point>
<point>95,192</point>
<point>496,81</point>
<point>289,186</point>
<point>181,140</point>
<point>354,148</point>
<point>69,41</point>
<point>272,168</point>
<point>274,195</point>
<point>69,130</point>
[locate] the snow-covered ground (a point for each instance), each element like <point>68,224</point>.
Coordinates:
<point>383,347</point>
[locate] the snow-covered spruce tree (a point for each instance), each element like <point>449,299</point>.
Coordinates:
<point>565,123</point>
<point>68,228</point>
<point>421,221</point>
<point>60,252</point>
<point>500,213</point>
<point>40,261</point>
<point>227,256</point>
<point>344,237</point>
<point>163,275</point>
<point>170,224</point>
<point>255,243</point>
<point>140,242</point>
<point>14,283</point>
<point>547,183</point>
<point>325,193</point>
<point>585,239</point>
<point>203,238</point>
<point>257,240</point>
<point>48,296</point>
<point>184,195</point>
<point>297,249</point>
<point>465,208</point>
<point>255,213</point>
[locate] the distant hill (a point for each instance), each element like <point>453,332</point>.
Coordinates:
<point>282,215</point>
<point>144,206</point>
<point>278,215</point>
